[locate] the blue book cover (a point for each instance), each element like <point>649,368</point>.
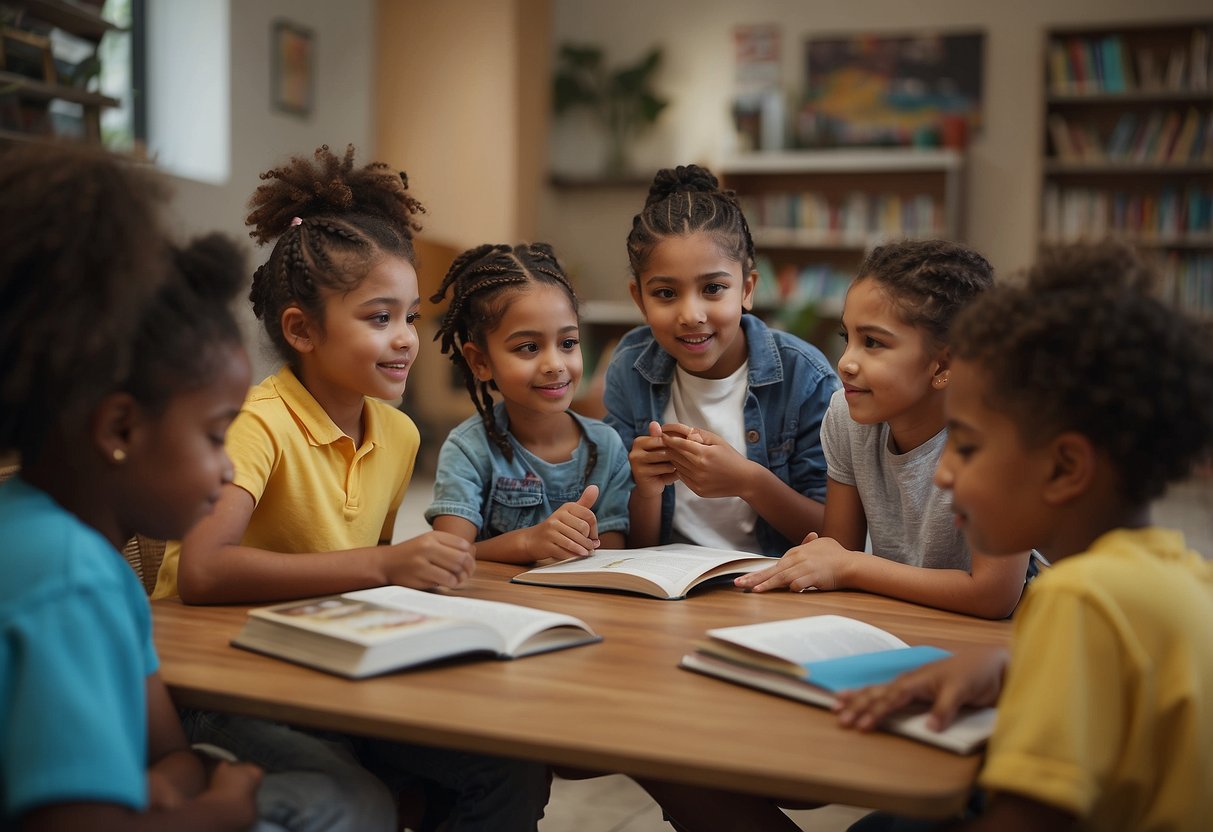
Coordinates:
<point>849,672</point>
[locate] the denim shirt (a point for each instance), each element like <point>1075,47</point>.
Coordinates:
<point>790,385</point>
<point>475,481</point>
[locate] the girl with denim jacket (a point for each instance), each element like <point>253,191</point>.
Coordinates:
<point>722,414</point>
<point>526,478</point>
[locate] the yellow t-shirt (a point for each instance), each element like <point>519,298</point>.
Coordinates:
<point>1107,709</point>
<point>314,491</point>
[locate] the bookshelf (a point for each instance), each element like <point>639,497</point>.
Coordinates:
<point>42,93</point>
<point>815,214</point>
<point>1128,145</point>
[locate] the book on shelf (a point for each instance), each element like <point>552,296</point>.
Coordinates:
<point>373,631</point>
<point>668,572</point>
<point>812,659</point>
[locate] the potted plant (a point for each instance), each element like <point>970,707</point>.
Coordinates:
<point>622,100</point>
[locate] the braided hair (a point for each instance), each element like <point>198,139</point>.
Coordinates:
<point>928,281</point>
<point>686,200</point>
<point>331,222</point>
<point>481,281</point>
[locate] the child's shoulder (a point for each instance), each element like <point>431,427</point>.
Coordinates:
<point>634,340</point>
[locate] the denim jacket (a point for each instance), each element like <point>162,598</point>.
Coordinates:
<point>475,481</point>
<point>790,384</point>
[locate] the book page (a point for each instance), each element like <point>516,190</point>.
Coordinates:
<point>512,623</point>
<point>816,637</point>
<point>671,567</point>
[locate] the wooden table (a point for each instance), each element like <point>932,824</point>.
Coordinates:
<point>621,705</point>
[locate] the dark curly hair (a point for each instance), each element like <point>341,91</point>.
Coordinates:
<point>481,282</point>
<point>1084,344</point>
<point>332,221</point>
<point>685,200</point>
<point>82,252</point>
<point>928,281</point>
<point>180,342</point>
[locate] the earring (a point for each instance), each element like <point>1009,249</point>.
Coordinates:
<point>119,455</point>
<point>940,381</point>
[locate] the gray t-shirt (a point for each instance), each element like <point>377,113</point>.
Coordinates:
<point>909,517</point>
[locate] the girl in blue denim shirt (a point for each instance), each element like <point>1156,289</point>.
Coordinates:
<point>525,478</point>
<point>722,414</point>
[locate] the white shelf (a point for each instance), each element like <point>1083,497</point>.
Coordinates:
<point>843,160</point>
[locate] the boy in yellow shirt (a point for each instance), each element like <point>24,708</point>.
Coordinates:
<point>1074,400</point>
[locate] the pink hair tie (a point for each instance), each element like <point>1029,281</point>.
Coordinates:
<point>296,221</point>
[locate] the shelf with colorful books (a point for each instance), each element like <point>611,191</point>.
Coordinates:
<point>1127,145</point>
<point>814,214</point>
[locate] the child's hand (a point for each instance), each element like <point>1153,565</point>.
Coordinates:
<point>817,563</point>
<point>651,468</point>
<point>707,464</point>
<point>232,791</point>
<point>571,529</point>
<point>162,792</point>
<point>429,561</point>
<point>971,677</point>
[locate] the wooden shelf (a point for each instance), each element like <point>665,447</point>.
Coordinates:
<point>843,161</point>
<point>1116,167</point>
<point>70,17</point>
<point>1156,95</point>
<point>33,89</point>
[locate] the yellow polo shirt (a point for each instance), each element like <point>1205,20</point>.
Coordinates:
<point>313,490</point>
<point>1107,707</point>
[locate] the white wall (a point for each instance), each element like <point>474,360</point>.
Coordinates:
<point>261,136</point>
<point>590,227</point>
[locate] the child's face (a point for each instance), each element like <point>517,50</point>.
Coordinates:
<point>996,480</point>
<point>886,369</point>
<point>176,463</point>
<point>692,296</point>
<point>534,353</point>
<point>369,340</point>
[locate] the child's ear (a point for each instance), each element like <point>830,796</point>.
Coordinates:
<point>477,361</point>
<point>113,426</point>
<point>297,329</point>
<point>637,298</point>
<point>747,290</point>
<point>1074,468</point>
<point>941,368</point>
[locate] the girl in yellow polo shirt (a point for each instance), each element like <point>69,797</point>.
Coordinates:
<point>322,465</point>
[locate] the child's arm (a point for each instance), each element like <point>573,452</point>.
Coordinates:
<point>991,588</point>
<point>569,531</point>
<point>652,471</point>
<point>215,569</point>
<point>179,795</point>
<point>711,467</point>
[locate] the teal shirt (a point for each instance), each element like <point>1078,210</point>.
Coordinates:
<point>75,653</point>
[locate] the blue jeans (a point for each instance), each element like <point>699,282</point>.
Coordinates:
<point>316,780</point>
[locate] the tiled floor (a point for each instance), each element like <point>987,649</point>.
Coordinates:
<point>616,804</point>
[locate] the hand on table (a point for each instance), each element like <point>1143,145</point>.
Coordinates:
<point>429,561</point>
<point>970,677</point>
<point>817,563</point>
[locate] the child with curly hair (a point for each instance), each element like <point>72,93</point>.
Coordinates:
<point>1074,400</point>
<point>322,463</point>
<point>526,478</point>
<point>883,434</point>
<point>121,367</point>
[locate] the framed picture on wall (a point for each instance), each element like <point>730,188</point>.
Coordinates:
<point>293,68</point>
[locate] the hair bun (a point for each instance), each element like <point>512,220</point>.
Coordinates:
<point>213,267</point>
<point>682,179</point>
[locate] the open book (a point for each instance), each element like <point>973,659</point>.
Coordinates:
<point>812,658</point>
<point>391,627</point>
<point>661,571</point>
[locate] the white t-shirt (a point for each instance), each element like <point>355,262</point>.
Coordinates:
<point>716,405</point>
